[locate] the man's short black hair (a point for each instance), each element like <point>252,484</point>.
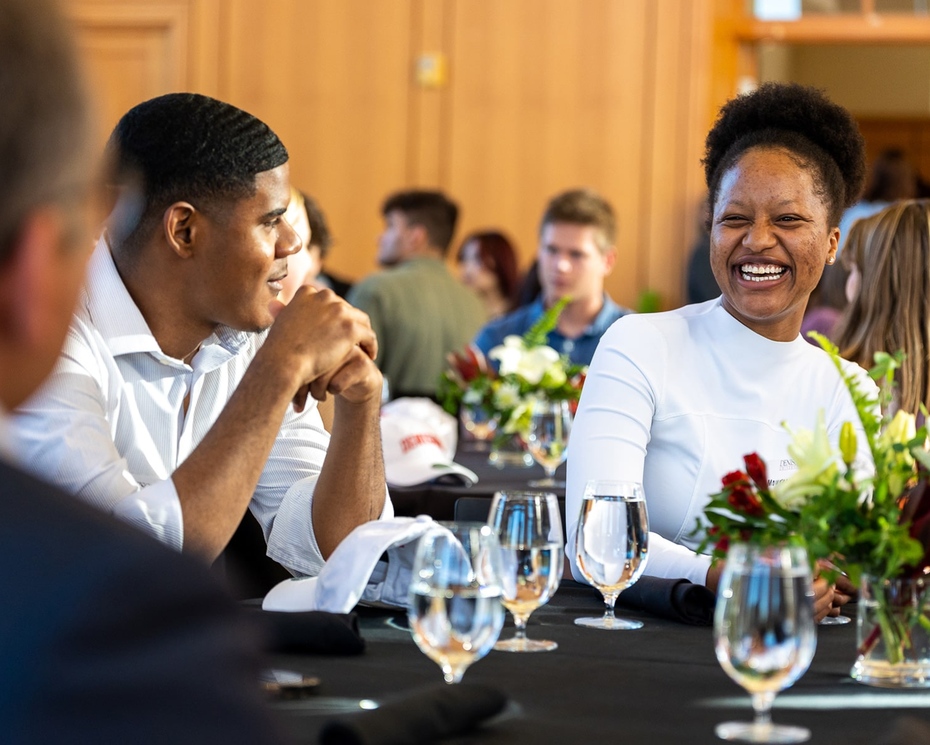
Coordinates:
<point>190,147</point>
<point>432,210</point>
<point>801,120</point>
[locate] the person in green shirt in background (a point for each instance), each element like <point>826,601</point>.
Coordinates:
<point>418,310</point>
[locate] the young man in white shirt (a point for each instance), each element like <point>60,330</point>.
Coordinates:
<point>176,404</point>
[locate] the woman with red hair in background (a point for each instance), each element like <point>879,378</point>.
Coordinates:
<point>488,265</point>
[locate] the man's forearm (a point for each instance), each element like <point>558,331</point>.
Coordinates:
<point>216,482</point>
<point>350,490</point>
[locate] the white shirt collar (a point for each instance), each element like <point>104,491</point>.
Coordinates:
<point>119,320</point>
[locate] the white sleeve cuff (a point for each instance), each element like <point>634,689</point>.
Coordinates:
<point>291,541</point>
<point>669,559</point>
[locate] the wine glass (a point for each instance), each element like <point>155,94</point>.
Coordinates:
<point>529,530</point>
<point>454,602</point>
<point>550,426</point>
<point>611,544</point>
<point>764,632</point>
<point>479,423</point>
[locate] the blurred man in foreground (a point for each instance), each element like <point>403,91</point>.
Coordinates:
<point>105,636</point>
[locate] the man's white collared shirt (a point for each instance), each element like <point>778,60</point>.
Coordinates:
<point>110,426</point>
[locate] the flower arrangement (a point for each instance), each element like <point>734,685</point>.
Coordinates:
<point>827,505</point>
<point>875,524</point>
<point>528,370</point>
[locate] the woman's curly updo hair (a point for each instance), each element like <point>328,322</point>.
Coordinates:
<point>820,134</point>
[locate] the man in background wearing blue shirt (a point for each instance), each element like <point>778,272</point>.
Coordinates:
<point>576,252</point>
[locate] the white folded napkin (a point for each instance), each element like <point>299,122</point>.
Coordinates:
<point>355,572</point>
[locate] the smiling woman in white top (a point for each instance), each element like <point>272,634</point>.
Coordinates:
<point>675,399</point>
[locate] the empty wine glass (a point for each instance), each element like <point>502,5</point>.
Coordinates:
<point>479,423</point>
<point>764,632</point>
<point>550,426</point>
<point>529,530</point>
<point>454,602</point>
<point>611,544</point>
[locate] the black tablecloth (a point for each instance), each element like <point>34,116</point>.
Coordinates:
<point>660,684</point>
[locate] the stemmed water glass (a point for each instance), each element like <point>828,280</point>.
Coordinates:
<point>529,530</point>
<point>454,601</point>
<point>611,544</point>
<point>764,632</point>
<point>547,442</point>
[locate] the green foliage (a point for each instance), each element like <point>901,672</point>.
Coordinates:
<point>846,517</point>
<point>539,331</point>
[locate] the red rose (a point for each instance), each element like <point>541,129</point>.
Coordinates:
<point>734,478</point>
<point>743,500</point>
<point>755,467</point>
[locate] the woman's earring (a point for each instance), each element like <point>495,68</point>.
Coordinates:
<point>831,259</point>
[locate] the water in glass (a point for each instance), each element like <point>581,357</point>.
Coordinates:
<point>611,545</point>
<point>764,632</point>
<point>529,530</point>
<point>547,442</point>
<point>454,603</point>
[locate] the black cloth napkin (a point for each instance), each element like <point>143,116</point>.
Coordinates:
<point>676,599</point>
<point>423,716</point>
<point>309,632</point>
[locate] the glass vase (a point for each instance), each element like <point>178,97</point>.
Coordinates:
<point>893,634</point>
<point>508,451</point>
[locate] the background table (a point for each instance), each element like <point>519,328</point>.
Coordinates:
<point>438,500</point>
<point>660,684</point>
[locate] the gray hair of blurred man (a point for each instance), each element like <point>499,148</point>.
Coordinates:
<point>45,130</point>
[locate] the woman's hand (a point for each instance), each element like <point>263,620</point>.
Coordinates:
<point>824,594</point>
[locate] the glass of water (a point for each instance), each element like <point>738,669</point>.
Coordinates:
<point>529,529</point>
<point>454,604</point>
<point>764,632</point>
<point>611,545</point>
<point>547,441</point>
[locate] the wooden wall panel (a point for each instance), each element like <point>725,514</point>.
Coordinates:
<point>551,95</point>
<point>542,95</point>
<point>137,50</point>
<point>333,79</point>
<point>910,134</point>
<point>675,112</point>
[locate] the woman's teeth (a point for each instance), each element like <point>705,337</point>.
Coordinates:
<point>761,272</point>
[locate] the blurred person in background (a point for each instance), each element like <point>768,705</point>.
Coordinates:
<point>418,310</point>
<point>487,265</point>
<point>305,266</point>
<point>106,636</point>
<point>576,253</point>
<point>891,178</point>
<point>888,260</point>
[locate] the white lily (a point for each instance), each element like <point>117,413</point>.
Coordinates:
<point>817,462</point>
<point>530,364</point>
<point>506,396</point>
